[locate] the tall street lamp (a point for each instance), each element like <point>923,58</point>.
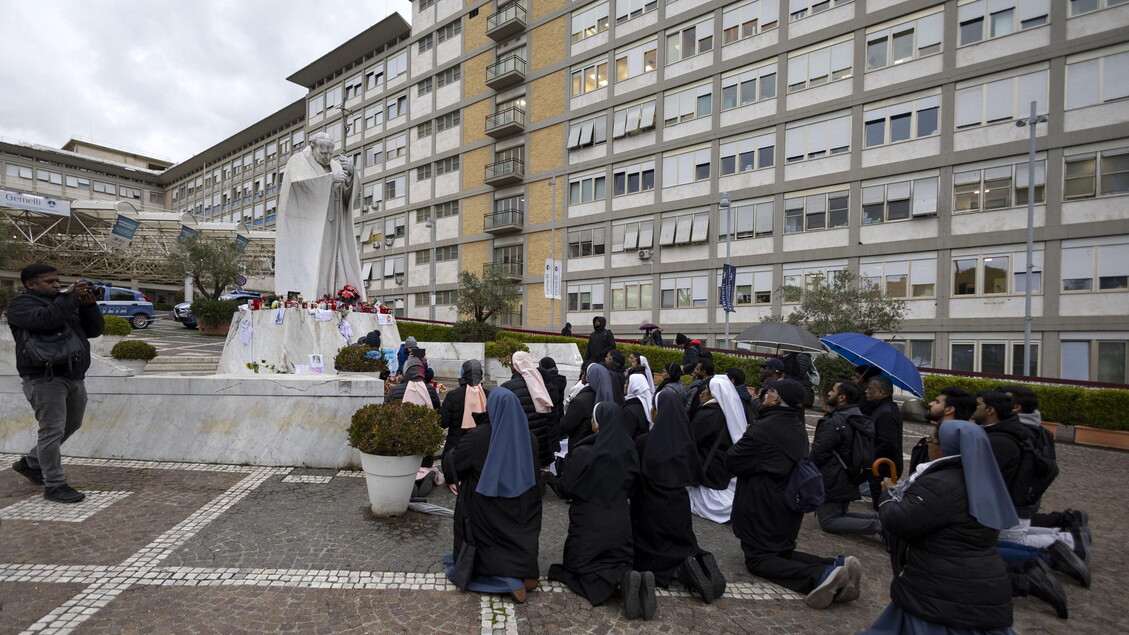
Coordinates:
<point>430,224</point>
<point>1030,122</point>
<point>723,207</point>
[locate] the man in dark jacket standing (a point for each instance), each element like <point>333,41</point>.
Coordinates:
<point>57,394</point>
<point>691,352</point>
<point>831,452</point>
<point>600,342</point>
<point>887,418</point>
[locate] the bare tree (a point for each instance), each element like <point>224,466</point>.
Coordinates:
<point>843,304</point>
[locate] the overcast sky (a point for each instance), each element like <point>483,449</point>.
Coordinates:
<point>168,78</point>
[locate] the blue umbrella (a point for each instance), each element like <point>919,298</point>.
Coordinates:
<point>864,350</point>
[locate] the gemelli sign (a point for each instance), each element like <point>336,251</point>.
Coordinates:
<point>33,203</point>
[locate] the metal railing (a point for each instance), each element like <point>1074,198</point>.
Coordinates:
<point>512,12</point>
<point>512,269</point>
<point>504,217</point>
<point>508,167</point>
<point>512,115</point>
<point>507,64</point>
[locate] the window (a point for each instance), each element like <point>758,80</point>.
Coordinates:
<point>586,189</point>
<point>448,76</point>
<point>748,86</point>
<point>394,266</point>
<point>748,20</point>
<point>629,9</point>
<point>589,22</point>
<point>998,273</point>
<point>631,295</point>
<point>1084,179</point>
<point>688,41</point>
<point>426,43</point>
<point>986,19</point>
<point>395,227</point>
<point>1001,100</point>
<point>353,87</point>
<point>904,42</point>
<point>899,200</point>
<point>630,179</point>
<point>818,139</point>
<point>995,187</point>
<point>636,61</point>
<point>633,234</point>
<point>316,106</point>
<point>1096,81</point>
<point>808,277</point>
<point>586,296</point>
<point>397,146</point>
<point>426,4</point>
<point>1078,7</point>
<point>1095,265</point>
<point>589,78</point>
<point>423,298</point>
<point>686,167</point>
<point>374,116</point>
<point>684,228</point>
<point>750,153</point>
<point>299,137</point>
<point>589,132</point>
<point>901,278</point>
<point>18,171</point>
<point>511,208</point>
<point>688,104</point>
<point>104,188</point>
<point>448,121</point>
<point>48,176</point>
<point>823,65</point>
<point>632,120</point>
<point>751,219</point>
<point>395,187</point>
<point>442,254</point>
<point>397,65</point>
<point>800,9</point>
<point>510,154</point>
<point>1001,358</point>
<point>587,241</point>
<point>450,208</point>
<point>396,106</point>
<point>374,154</point>
<point>902,122</point>
<point>815,211</point>
<point>751,287</point>
<point>129,192</point>
<point>71,181</point>
<point>445,166</point>
<point>449,31</point>
<point>332,98</point>
<point>423,172</point>
<point>374,78</point>
<point>683,292</point>
<point>423,130</point>
<point>1108,365</point>
<point>424,87</point>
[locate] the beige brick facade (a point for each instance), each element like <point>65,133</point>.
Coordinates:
<point>536,251</point>
<point>546,149</point>
<point>474,29</point>
<point>474,121</point>
<point>543,8</point>
<point>548,44</point>
<point>547,96</point>
<point>474,73</point>
<point>474,208</point>
<point>540,202</point>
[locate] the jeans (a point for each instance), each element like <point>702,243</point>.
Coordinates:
<point>834,518</point>
<point>59,406</point>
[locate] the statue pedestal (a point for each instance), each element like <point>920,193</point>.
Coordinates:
<point>255,337</point>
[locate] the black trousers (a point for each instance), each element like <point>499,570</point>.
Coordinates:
<point>794,570</point>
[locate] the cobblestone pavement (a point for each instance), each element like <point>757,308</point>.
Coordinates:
<point>194,548</point>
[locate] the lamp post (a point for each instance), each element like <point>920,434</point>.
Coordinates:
<point>553,254</point>
<point>430,224</point>
<point>723,207</point>
<point>1030,122</point>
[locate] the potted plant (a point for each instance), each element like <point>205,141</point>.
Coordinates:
<point>133,354</point>
<point>393,439</point>
<point>498,354</point>
<point>360,358</point>
<point>214,316</point>
<point>115,331</point>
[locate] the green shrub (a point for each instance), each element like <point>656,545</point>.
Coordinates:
<point>213,313</point>
<point>396,429</point>
<point>133,349</point>
<point>116,325</point>
<point>423,332</point>
<point>1070,405</point>
<point>502,348</point>
<point>831,369</point>
<point>471,331</point>
<point>352,359</point>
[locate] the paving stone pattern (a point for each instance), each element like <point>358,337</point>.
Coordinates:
<point>195,548</point>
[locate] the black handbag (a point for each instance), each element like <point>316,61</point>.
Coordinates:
<point>46,350</point>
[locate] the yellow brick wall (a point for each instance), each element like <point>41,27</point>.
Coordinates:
<point>474,72</point>
<point>547,43</point>
<point>544,7</point>
<point>546,149</point>
<point>474,29</point>
<point>474,121</point>
<point>537,306</point>
<point>540,204</point>
<point>547,96</point>
<point>474,168</point>
<point>536,251</point>
<point>472,255</point>
<point>472,210</point>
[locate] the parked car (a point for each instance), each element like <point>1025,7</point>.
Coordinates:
<point>183,312</point>
<point>127,303</point>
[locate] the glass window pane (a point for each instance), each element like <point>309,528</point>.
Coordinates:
<point>1076,360</point>
<point>992,358</point>
<point>1111,362</point>
<point>963,357</point>
<point>964,282</point>
<point>995,274</point>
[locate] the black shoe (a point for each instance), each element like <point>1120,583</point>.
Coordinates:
<point>691,574</point>
<point>648,604</point>
<point>551,480</point>
<point>1042,585</point>
<point>709,566</point>
<point>33,475</point>
<point>1082,543</point>
<point>1068,562</point>
<point>629,588</point>
<point>63,494</point>
<point>1078,518</point>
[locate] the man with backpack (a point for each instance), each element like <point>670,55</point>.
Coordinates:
<point>843,450</point>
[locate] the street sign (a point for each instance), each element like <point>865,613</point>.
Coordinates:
<point>240,280</point>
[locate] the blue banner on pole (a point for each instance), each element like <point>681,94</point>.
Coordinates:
<point>186,233</point>
<point>728,287</point>
<point>241,243</point>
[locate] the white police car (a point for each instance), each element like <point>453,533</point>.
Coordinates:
<point>127,303</point>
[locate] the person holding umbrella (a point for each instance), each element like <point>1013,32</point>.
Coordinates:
<point>652,334</point>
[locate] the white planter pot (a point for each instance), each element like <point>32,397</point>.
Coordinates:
<point>135,365</point>
<point>390,480</point>
<point>105,344</point>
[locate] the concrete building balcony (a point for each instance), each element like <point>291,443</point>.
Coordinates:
<point>506,23</point>
<point>504,172</point>
<point>504,221</point>
<point>505,123</point>
<point>510,269</point>
<point>506,72</point>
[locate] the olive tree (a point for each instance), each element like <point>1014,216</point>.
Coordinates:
<point>484,297</point>
<point>212,262</point>
<point>843,304</point>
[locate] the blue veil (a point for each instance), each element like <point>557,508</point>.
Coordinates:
<point>509,470</point>
<point>988,499</point>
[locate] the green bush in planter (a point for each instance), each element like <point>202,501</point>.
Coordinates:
<point>502,348</point>
<point>1070,405</point>
<point>396,429</point>
<point>423,332</point>
<point>352,359</point>
<point>116,326</point>
<point>471,331</point>
<point>133,349</point>
<point>213,313</point>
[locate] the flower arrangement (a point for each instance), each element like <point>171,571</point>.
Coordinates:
<point>396,429</point>
<point>348,294</point>
<point>262,364</point>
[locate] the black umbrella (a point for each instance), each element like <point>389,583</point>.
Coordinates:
<point>781,335</point>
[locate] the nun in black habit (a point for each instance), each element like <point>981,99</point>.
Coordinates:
<point>495,467</point>
<point>598,477</point>
<point>577,422</point>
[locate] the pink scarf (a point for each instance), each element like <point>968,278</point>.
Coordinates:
<point>415,391</point>
<point>474,401</point>
<point>523,363</point>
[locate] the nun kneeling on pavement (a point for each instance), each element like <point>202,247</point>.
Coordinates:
<point>716,426</point>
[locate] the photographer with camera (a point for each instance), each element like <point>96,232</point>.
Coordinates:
<point>52,327</point>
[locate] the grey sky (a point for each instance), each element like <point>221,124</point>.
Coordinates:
<point>164,77</point>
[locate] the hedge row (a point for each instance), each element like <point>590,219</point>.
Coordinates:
<point>1071,405</point>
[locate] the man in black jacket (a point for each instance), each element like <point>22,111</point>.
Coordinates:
<point>887,418</point>
<point>56,394</point>
<point>691,352</point>
<point>600,341</point>
<point>831,452</point>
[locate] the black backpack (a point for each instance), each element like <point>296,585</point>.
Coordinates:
<point>1038,467</point>
<point>862,456</point>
